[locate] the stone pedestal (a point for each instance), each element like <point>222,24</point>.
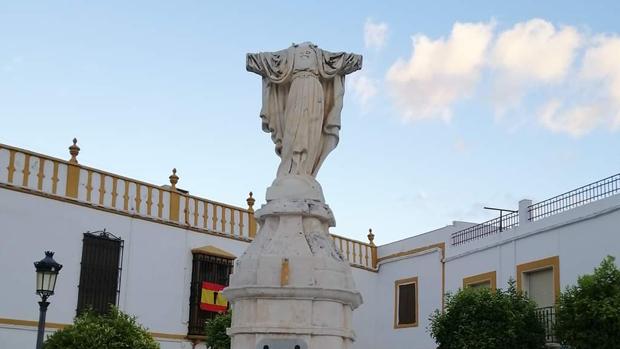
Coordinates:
<point>292,289</point>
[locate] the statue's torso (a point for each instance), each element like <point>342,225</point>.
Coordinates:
<point>305,60</point>
<point>302,100</point>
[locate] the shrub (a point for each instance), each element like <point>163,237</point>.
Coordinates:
<point>486,319</point>
<point>588,314</point>
<point>215,330</point>
<point>115,330</point>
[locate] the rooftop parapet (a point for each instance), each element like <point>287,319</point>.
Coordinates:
<point>70,181</point>
<point>529,212</point>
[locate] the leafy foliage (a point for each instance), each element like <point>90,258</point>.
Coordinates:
<point>215,330</point>
<point>588,314</point>
<point>484,319</point>
<point>115,330</point>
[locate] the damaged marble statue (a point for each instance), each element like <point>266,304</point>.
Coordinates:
<point>292,288</point>
<point>303,89</point>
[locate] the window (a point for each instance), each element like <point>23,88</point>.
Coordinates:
<point>539,286</point>
<point>100,273</point>
<point>540,280</point>
<point>488,280</point>
<point>210,274</point>
<point>406,303</point>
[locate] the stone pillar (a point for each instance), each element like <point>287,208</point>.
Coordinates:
<point>292,289</point>
<point>524,213</point>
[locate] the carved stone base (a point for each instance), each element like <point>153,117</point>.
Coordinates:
<point>292,287</point>
<point>314,317</point>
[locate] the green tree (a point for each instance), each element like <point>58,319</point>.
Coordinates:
<point>115,330</point>
<point>215,330</point>
<point>588,314</point>
<point>484,319</point>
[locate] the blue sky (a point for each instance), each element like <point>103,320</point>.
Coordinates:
<point>458,105</point>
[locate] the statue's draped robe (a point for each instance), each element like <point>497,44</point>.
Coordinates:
<point>302,104</point>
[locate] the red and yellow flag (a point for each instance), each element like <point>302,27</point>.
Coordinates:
<point>212,298</point>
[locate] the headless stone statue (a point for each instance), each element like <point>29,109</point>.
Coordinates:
<point>303,87</point>
<point>292,288</point>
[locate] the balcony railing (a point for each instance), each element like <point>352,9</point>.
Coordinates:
<point>546,316</point>
<point>487,228</point>
<point>588,193</point>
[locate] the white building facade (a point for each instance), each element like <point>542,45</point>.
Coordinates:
<point>163,243</point>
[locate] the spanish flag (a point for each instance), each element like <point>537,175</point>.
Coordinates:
<point>212,298</point>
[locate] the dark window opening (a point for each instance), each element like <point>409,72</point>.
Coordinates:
<point>205,269</point>
<point>100,274</point>
<point>407,304</point>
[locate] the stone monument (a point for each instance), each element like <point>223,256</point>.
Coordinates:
<point>292,289</point>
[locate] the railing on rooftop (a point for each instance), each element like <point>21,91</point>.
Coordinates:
<point>72,182</point>
<point>485,229</point>
<point>601,189</point>
<point>588,193</point>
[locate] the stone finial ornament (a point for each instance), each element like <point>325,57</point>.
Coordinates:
<point>371,237</point>
<point>250,200</point>
<point>74,150</point>
<point>174,179</point>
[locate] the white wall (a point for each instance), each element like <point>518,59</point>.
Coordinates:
<point>19,336</point>
<point>156,270</point>
<point>421,240</point>
<point>156,263</point>
<point>364,317</point>
<point>427,268</point>
<point>581,237</point>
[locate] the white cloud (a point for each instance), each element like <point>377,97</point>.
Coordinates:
<point>375,34</point>
<point>600,77</point>
<point>529,54</point>
<point>602,63</point>
<point>536,50</point>
<point>575,121</point>
<point>577,73</point>
<point>364,88</point>
<point>439,72</point>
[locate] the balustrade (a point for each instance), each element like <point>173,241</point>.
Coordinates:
<point>70,181</point>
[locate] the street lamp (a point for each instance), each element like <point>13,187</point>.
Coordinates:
<point>47,272</point>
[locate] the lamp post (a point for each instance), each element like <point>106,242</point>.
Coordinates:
<point>47,272</point>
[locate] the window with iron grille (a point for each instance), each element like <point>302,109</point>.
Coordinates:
<point>206,270</point>
<point>100,274</point>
